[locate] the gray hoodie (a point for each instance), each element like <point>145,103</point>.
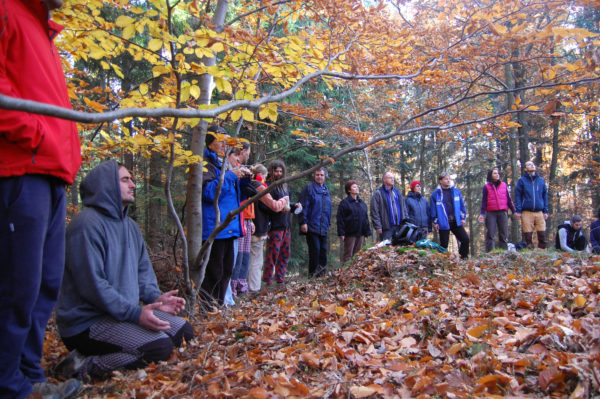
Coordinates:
<point>107,270</point>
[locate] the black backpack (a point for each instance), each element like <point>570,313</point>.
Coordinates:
<point>407,233</point>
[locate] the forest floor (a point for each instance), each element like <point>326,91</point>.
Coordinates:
<point>395,322</point>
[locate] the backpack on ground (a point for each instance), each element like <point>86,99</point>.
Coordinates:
<point>407,233</point>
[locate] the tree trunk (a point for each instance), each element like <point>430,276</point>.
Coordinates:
<point>155,202</point>
<point>194,187</point>
<point>552,175</point>
<point>512,144</point>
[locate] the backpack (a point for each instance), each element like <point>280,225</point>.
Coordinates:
<point>406,233</point>
<point>428,244</point>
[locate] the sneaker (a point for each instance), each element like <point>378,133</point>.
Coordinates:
<point>72,366</point>
<point>64,390</point>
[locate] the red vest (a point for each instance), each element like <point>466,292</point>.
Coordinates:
<point>497,198</point>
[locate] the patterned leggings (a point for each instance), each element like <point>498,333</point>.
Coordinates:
<point>110,344</point>
<point>278,254</point>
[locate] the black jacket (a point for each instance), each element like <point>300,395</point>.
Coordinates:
<point>279,220</point>
<point>352,218</point>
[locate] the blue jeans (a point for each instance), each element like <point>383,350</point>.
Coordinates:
<point>32,257</point>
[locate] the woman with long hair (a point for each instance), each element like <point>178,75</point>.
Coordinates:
<point>495,203</point>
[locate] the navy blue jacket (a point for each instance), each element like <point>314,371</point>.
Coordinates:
<point>418,210</point>
<point>316,204</point>
<point>352,218</point>
<point>229,198</point>
<point>531,194</point>
<point>595,236</point>
<point>437,208</point>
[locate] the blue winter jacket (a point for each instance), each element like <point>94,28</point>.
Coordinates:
<point>418,210</point>
<point>107,269</point>
<point>595,236</point>
<point>531,194</point>
<point>316,204</point>
<point>228,200</point>
<point>437,209</point>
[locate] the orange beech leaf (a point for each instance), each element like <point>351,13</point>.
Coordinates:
<point>579,301</point>
<point>476,332</point>
<point>523,334</point>
<point>362,391</point>
<point>422,384</point>
<point>311,359</point>
<point>455,348</point>
<point>524,304</point>
<point>258,393</point>
<point>548,376</point>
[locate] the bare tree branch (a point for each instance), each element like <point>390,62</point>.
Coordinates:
<point>35,107</point>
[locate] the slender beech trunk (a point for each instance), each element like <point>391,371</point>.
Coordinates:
<point>552,175</point>
<point>470,200</point>
<point>512,144</point>
<point>194,187</point>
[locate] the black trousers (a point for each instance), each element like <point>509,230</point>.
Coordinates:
<point>218,271</point>
<point>461,235</point>
<point>317,253</point>
<point>580,243</point>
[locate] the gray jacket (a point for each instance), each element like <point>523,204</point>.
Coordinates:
<point>107,269</point>
<point>380,211</point>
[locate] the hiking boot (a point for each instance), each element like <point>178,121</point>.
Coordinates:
<point>541,235</point>
<point>528,239</point>
<point>72,366</point>
<point>64,390</point>
<point>321,269</point>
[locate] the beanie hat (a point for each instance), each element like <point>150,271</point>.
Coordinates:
<point>413,184</point>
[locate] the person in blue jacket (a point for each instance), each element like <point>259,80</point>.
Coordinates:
<point>448,214</point>
<point>220,264</point>
<point>316,216</point>
<point>531,202</point>
<point>595,234</point>
<point>418,208</point>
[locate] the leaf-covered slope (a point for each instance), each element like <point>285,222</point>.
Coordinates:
<point>396,324</point>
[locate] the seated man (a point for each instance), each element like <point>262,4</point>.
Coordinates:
<point>107,275</point>
<point>569,236</point>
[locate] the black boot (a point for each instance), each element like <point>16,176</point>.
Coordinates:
<point>528,239</point>
<point>320,270</point>
<point>541,235</point>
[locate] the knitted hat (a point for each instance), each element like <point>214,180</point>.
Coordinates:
<point>413,184</point>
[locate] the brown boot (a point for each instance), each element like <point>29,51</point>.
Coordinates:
<point>528,239</point>
<point>541,235</point>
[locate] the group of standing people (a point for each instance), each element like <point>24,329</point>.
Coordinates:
<point>237,263</point>
<point>446,213</point>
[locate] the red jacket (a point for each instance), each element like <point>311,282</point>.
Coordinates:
<point>30,68</point>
